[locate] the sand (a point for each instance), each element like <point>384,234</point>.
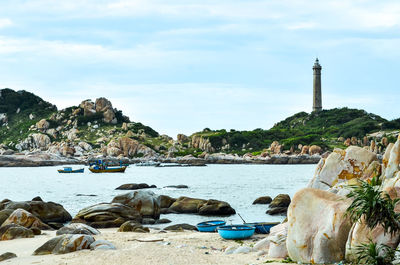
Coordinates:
<point>176,248</point>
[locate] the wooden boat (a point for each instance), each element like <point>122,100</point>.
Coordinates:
<point>70,170</point>
<point>97,169</point>
<point>263,227</point>
<point>236,231</point>
<point>210,226</point>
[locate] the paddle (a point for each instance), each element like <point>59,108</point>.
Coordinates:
<point>242,218</point>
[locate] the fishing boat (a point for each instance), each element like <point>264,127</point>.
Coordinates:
<point>263,227</point>
<point>236,231</point>
<point>210,226</point>
<point>70,170</point>
<point>106,169</point>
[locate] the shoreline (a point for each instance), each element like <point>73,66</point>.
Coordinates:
<point>186,247</point>
<point>38,159</point>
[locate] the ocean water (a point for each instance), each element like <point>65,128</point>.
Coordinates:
<point>239,185</point>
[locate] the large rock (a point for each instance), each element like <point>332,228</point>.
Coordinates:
<point>277,239</point>
<point>7,255</point>
<point>145,202</point>
<point>25,219</point>
<point>314,149</point>
<point>4,214</point>
<point>105,215</point>
<point>34,141</point>
<point>203,207</point>
<point>341,166</point>
<point>166,201</point>
<point>103,104</point>
<point>282,200</point>
<point>135,186</point>
<point>13,231</point>
<point>88,107</point>
<point>65,244</point>
<point>42,125</point>
<point>102,244</point>
<point>180,227</point>
<point>317,227</point>
<point>391,167</point>
<point>77,228</point>
<point>263,200</point>
<point>48,212</point>
<point>130,226</point>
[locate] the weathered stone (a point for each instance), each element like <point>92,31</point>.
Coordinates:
<point>135,186</point>
<point>180,227</point>
<point>65,244</point>
<point>177,186</point>
<point>277,238</point>
<point>77,228</point>
<point>88,108</point>
<point>215,207</point>
<point>317,227</point>
<point>166,201</point>
<point>282,200</point>
<point>13,231</point>
<point>146,202</point>
<point>314,149</point>
<point>163,221</point>
<point>341,166</point>
<point>203,207</point>
<point>4,214</point>
<point>102,245</point>
<point>130,226</point>
<point>277,210</point>
<point>25,219</point>
<point>7,255</point>
<point>392,166</point>
<point>263,200</point>
<point>42,125</point>
<point>104,215</point>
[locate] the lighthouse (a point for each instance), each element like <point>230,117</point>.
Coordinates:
<point>317,95</point>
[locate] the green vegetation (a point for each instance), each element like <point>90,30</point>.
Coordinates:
<point>374,206</point>
<point>374,254</point>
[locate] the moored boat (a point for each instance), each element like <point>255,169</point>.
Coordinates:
<point>236,231</point>
<point>99,169</point>
<point>210,226</point>
<point>263,227</point>
<point>70,170</point>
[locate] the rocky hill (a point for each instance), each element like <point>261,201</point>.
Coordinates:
<point>94,128</point>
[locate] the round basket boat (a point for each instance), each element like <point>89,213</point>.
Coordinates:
<point>210,226</point>
<point>263,227</point>
<point>236,231</point>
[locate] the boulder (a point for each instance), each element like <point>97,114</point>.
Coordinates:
<point>109,116</point>
<point>282,200</point>
<point>277,241</point>
<point>65,244</point>
<point>145,202</point>
<point>263,200</point>
<point>4,214</point>
<point>314,149</point>
<point>163,221</point>
<point>130,226</point>
<point>45,211</point>
<point>317,227</point>
<point>392,165</point>
<point>88,107</point>
<point>166,201</point>
<point>103,104</point>
<point>203,207</point>
<point>105,215</point>
<point>180,227</point>
<point>25,219</point>
<point>77,228</point>
<point>135,186</point>
<point>102,244</point>
<point>34,141</point>
<point>42,125</point>
<point>277,210</point>
<point>7,255</point>
<point>341,166</point>
<point>13,231</point>
<point>305,149</point>
<point>177,186</point>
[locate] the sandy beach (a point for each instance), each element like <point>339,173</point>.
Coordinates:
<point>173,248</point>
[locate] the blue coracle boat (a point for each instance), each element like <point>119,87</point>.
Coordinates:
<point>210,226</point>
<point>236,231</point>
<point>263,228</point>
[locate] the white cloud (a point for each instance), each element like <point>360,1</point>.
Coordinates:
<point>5,22</point>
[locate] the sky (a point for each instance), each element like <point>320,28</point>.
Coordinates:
<point>180,66</point>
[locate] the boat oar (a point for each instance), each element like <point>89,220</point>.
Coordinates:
<point>242,218</point>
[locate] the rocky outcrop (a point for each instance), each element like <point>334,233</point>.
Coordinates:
<point>105,215</point>
<point>145,202</point>
<point>199,142</point>
<point>42,125</point>
<point>47,212</point>
<point>65,244</point>
<point>14,231</point>
<point>135,186</point>
<point>128,148</point>
<point>391,160</point>
<point>35,159</point>
<point>317,227</point>
<point>315,149</point>
<point>277,239</point>
<point>77,228</point>
<point>131,226</point>
<point>25,219</point>
<point>88,107</point>
<point>341,166</point>
<point>202,207</point>
<point>34,141</point>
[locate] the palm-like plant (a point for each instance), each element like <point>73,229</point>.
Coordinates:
<point>376,206</point>
<point>374,254</point>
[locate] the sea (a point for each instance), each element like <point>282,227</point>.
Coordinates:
<point>239,185</point>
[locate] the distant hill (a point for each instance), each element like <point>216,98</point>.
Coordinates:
<point>317,128</point>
